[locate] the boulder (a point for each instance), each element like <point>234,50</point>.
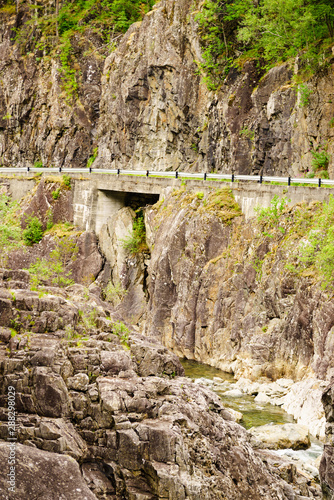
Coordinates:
<point>40,474</point>
<point>275,437</point>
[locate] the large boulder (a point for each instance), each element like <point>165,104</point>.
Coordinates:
<point>275,437</point>
<point>40,474</point>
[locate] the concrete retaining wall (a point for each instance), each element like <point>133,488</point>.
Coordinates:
<point>97,196</point>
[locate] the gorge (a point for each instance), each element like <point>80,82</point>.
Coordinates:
<point>104,287</point>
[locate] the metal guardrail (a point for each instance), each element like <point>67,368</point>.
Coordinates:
<point>176,174</point>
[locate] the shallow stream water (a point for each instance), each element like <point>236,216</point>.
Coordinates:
<point>254,414</point>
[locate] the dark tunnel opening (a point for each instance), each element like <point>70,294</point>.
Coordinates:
<point>138,200</point>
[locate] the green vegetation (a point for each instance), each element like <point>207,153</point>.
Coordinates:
<point>66,181</point>
<point>320,163</point>
<point>92,158</point>
<point>304,93</point>
<point>33,232</point>
<point>121,331</point>
<point>221,203</point>
<point>305,233</point>
<point>49,219</point>
<point>58,30</point>
<point>268,31</point>
<point>114,293</point>
<point>317,250</point>
<point>246,132</point>
<point>136,241</point>
<point>257,265</point>
<point>10,227</point>
<point>7,7</point>
<point>88,320</point>
<point>270,218</point>
<point>56,194</point>
<point>54,268</point>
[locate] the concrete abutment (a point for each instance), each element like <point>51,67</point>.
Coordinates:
<point>98,195</point>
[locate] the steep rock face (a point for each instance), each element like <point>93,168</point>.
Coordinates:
<point>151,109</point>
<point>326,469</point>
<point>39,121</point>
<point>107,404</point>
<point>221,294</point>
<point>51,201</point>
<point>157,114</point>
<point>127,269</point>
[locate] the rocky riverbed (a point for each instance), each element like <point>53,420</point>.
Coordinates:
<point>270,425</point>
<point>89,385</point>
<point>113,411</point>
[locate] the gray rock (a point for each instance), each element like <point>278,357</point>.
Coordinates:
<point>79,382</point>
<point>274,437</point>
<point>40,474</point>
<point>50,393</point>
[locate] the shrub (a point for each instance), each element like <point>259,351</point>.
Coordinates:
<point>49,219</point>
<point>56,194</point>
<point>89,320</point>
<point>54,267</point>
<point>136,241</point>
<point>114,293</point>
<point>304,93</point>
<point>67,181</point>
<point>318,249</point>
<point>246,132</point>
<point>270,217</point>
<point>39,272</point>
<point>33,232</point>
<point>121,331</point>
<point>320,160</point>
<point>10,228</point>
<point>92,158</point>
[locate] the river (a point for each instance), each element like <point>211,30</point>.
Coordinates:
<point>254,413</point>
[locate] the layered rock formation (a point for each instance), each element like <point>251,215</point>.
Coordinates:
<point>220,292</point>
<point>146,106</point>
<point>327,462</point>
<point>39,122</point>
<point>109,409</point>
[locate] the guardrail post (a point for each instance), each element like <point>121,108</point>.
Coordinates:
<point>59,169</point>
<point>232,178</point>
<point>205,176</point>
<point>289,181</point>
<point>260,181</point>
<point>28,169</point>
<point>319,183</point>
<point>118,171</point>
<point>90,170</point>
<point>147,173</point>
<point>176,174</point>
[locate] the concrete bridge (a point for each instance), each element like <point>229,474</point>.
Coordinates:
<point>99,194</point>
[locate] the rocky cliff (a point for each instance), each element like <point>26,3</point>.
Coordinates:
<point>109,411</point>
<point>242,297</point>
<point>145,106</point>
<point>221,291</point>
